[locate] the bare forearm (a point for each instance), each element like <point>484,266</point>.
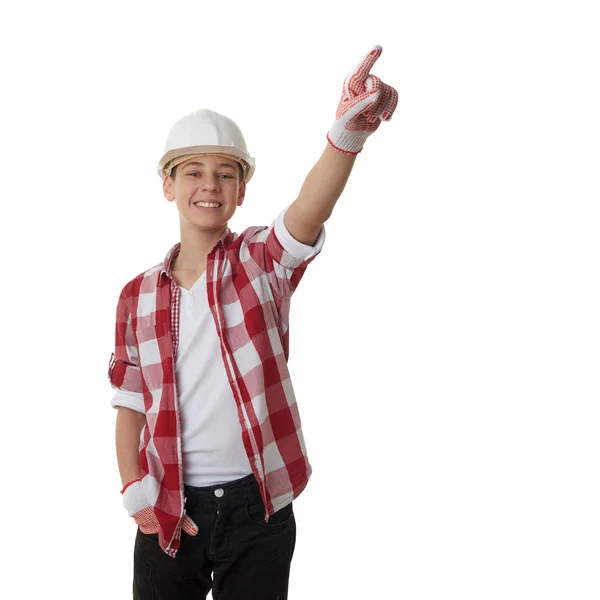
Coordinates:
<point>129,426</point>
<point>324,184</point>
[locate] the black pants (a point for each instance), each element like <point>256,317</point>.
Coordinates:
<point>250,559</point>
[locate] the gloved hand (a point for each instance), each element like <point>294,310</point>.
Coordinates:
<point>134,500</point>
<point>365,102</point>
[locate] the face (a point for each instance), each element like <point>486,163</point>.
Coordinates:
<point>212,179</point>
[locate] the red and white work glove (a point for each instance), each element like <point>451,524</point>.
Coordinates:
<point>365,102</point>
<point>139,508</point>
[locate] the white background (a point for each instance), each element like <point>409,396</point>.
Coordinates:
<point>444,344</point>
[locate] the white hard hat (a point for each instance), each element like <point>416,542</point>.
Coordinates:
<point>205,132</point>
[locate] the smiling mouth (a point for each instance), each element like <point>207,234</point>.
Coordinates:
<point>208,207</point>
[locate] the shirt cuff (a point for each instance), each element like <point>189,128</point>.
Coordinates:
<point>290,244</point>
<point>132,400</point>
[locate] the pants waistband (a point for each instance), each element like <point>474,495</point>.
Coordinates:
<point>231,492</point>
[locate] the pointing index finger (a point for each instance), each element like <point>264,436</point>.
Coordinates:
<point>355,82</point>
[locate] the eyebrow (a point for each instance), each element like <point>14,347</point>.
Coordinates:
<point>199,164</point>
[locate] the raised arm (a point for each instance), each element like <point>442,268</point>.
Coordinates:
<point>365,102</point>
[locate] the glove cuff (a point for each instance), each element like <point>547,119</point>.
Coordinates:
<point>350,142</point>
<point>129,483</point>
<point>134,498</point>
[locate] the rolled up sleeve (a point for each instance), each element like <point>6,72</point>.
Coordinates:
<point>123,369</point>
<point>277,253</point>
<point>294,252</point>
<point>130,400</point>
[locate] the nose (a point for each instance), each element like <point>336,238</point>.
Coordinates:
<point>210,182</point>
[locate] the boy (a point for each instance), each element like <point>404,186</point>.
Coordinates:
<point>209,438</point>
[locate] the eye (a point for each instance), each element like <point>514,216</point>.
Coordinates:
<point>192,173</point>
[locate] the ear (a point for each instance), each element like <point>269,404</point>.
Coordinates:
<point>241,193</point>
<point>168,188</point>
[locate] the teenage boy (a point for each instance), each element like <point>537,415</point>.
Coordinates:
<point>209,438</point>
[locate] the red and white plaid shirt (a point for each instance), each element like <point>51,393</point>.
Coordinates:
<point>250,280</point>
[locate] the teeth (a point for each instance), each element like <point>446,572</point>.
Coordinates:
<point>207,204</point>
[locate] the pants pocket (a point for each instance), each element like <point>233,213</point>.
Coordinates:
<point>255,512</point>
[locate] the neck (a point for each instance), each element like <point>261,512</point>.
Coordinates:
<point>194,249</point>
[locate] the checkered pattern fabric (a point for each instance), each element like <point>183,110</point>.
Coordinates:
<point>365,102</point>
<point>250,281</point>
